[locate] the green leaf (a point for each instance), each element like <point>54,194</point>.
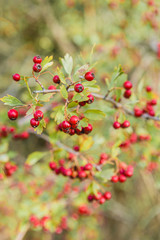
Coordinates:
<point>61,75</point>
<point>63,92</point>
<point>42,125</point>
<point>83,123</point>
<point>86,144</point>
<point>59,116</point>
<point>94,187</point>
<point>67,62</point>
<point>35,157</point>
<point>30,111</point>
<point>94,88</point>
<point>89,83</point>
<point>94,114</point>
<point>46,66</point>
<point>46,60</point>
<point>11,101</point>
<point>105,174</point>
<point>82,69</point>
<point>46,97</point>
<point>118,72</point>
<point>72,104</point>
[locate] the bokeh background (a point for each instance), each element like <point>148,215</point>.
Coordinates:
<point>122,32</point>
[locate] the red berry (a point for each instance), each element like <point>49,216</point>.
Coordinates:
<point>90,197</point>
<point>34,123</point>
<point>37,59</point>
<point>125,124</point>
<point>24,135</point>
<point>116,125</point>
<point>16,77</point>
<point>71,131</point>
<point>122,178</point>
<point>52,165</point>
<point>148,89</point>
<point>153,102</point>
<point>89,76</point>
<point>88,167</point>
<point>90,99</point>
<point>107,195</point>
<point>127,85</point>
<point>51,87</point>
<point>79,131</point>
<point>88,129</point>
<point>98,196</point>
<point>12,114</point>
<point>82,174</point>
<point>68,172</point>
<point>151,113</point>
<point>74,120</point>
<point>128,173</point>
<point>78,87</point>
<point>11,129</point>
<point>114,179</point>
<point>38,115</point>
<point>66,125</point>
<point>56,79</point>
<point>102,200</point>
<point>127,94</point>
<point>37,67</point>
<point>82,103</point>
<point>76,148</point>
<point>137,112</point>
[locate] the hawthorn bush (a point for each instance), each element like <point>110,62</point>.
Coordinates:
<point>78,134</point>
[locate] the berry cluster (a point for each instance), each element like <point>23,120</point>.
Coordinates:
<point>124,173</point>
<point>37,64</point>
<point>84,210</point>
<point>148,109</point>
<point>9,169</point>
<point>133,139</point>
<point>100,197</point>
<point>63,225</point>
<point>36,222</point>
<point>125,124</point>
<point>71,127</point>
<point>127,85</point>
<point>103,158</point>
<point>89,101</point>
<point>81,172</point>
<point>38,115</point>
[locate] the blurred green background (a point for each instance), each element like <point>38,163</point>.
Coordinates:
<point>122,32</point>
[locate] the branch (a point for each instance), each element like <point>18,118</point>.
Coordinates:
<point>58,143</point>
<point>107,99</point>
<point>119,105</point>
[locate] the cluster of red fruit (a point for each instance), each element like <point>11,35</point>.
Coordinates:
<point>81,172</point>
<point>38,115</point>
<point>63,225</point>
<point>125,124</point>
<point>37,64</point>
<point>148,108</point>
<point>84,210</point>
<point>9,169</point>
<point>100,197</point>
<point>71,127</point>
<point>5,131</point>
<point>124,173</point>
<point>36,222</point>
<point>103,158</point>
<point>133,139</point>
<point>127,85</point>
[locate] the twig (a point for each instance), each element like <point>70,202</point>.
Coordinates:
<point>107,99</point>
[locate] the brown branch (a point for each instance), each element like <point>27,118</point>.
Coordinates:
<point>107,99</point>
